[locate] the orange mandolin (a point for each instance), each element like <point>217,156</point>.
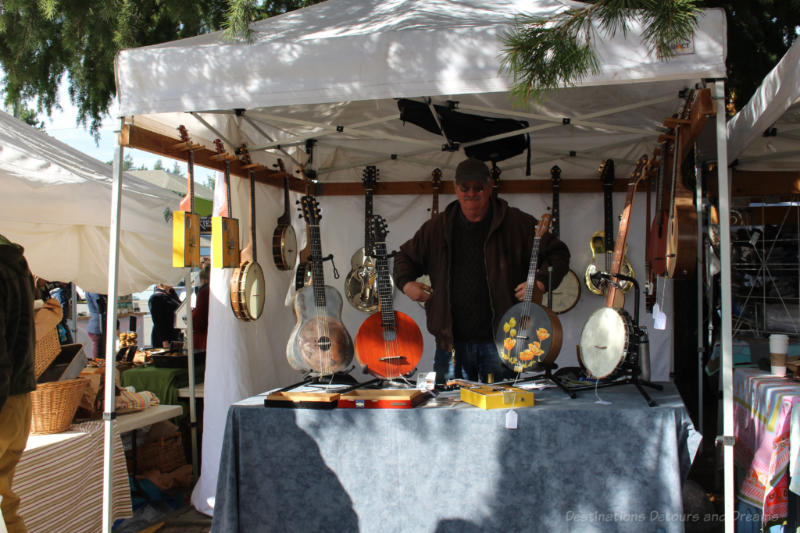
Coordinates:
<point>388,343</point>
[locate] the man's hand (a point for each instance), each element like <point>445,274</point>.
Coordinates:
<point>519,291</point>
<point>418,292</point>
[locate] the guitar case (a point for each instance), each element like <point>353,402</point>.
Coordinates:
<point>465,127</point>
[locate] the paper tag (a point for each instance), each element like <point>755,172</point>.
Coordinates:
<point>511,419</point>
<point>426,381</point>
<point>659,318</point>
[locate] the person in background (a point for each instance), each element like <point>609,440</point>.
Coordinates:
<point>163,304</point>
<point>98,310</point>
<point>17,378</point>
<point>200,312</point>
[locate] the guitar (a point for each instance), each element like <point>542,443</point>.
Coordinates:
<point>247,284</point>
<point>225,229</point>
<point>436,181</point>
<point>606,337</point>
<point>388,343</point>
<point>319,342</point>
<point>360,283</point>
<point>602,242</point>
<point>529,334</point>
<point>284,240</point>
<point>568,292</point>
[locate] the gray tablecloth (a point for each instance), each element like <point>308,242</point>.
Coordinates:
<point>572,465</point>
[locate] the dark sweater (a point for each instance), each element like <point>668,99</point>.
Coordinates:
<point>16,323</point>
<point>162,306</point>
<point>472,308</point>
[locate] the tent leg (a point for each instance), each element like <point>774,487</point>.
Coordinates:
<point>726,371</point>
<point>190,357</point>
<point>111,328</point>
<point>700,293</point>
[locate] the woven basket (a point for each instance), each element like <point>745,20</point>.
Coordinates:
<point>47,349</point>
<point>164,454</point>
<point>54,405</point>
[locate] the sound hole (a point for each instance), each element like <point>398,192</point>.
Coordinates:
<point>389,333</point>
<point>324,343</point>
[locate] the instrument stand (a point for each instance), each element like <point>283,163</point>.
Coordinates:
<point>548,376</point>
<point>632,370</point>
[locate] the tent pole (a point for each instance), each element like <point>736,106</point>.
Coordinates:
<point>73,302</point>
<point>726,373</point>
<point>190,358</point>
<point>111,328</point>
<point>700,293</point>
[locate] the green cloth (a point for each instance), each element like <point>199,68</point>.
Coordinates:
<point>163,382</point>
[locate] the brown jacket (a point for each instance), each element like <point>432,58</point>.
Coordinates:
<point>507,254</point>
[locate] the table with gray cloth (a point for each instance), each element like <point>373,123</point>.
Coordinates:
<point>572,465</point>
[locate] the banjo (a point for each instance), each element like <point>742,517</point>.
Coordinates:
<point>284,240</point>
<point>529,334</point>
<point>607,338</point>
<point>247,284</point>
<point>568,292</point>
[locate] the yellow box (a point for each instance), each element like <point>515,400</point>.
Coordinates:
<point>185,239</point>
<point>224,242</point>
<point>497,397</point>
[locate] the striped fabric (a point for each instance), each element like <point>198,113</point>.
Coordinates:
<point>60,481</point>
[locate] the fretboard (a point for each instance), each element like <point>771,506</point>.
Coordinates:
<point>532,270</point>
<point>384,287</point>
<point>317,274</point>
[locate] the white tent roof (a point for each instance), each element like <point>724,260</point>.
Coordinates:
<point>775,103</point>
<point>56,203</point>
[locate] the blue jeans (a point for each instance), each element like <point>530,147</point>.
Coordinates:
<point>473,361</point>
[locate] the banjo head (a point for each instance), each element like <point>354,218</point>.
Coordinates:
<point>566,295</point>
<point>604,341</point>
<point>252,290</point>
<point>284,247</point>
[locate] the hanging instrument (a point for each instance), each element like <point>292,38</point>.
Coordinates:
<point>602,242</point>
<point>302,276</point>
<point>284,240</point>
<point>607,337</point>
<point>225,229</point>
<point>247,284</point>
<point>568,292</point>
<point>388,343</point>
<point>436,182</point>
<point>529,334</point>
<point>360,285</point>
<point>319,342</point>
<point>185,222</point>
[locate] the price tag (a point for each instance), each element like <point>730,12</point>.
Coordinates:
<point>659,318</point>
<point>511,419</point>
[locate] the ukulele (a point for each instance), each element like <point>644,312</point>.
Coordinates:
<point>185,222</point>
<point>319,342</point>
<point>284,240</point>
<point>529,334</point>
<point>247,284</point>
<point>602,242</point>
<point>360,283</point>
<point>606,337</point>
<point>436,182</point>
<point>568,292</point>
<point>388,343</point>
<point>225,229</point>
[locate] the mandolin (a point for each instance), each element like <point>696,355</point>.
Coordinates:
<point>360,285</point>
<point>225,229</point>
<point>247,284</point>
<point>568,292</point>
<point>319,342</point>
<point>529,334</point>
<point>284,240</point>
<point>607,335</point>
<point>602,242</point>
<point>388,343</point>
<point>436,182</point>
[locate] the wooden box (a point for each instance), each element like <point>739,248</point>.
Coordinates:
<point>383,398</point>
<point>496,397</point>
<point>224,242</point>
<point>185,239</point>
<point>302,400</point>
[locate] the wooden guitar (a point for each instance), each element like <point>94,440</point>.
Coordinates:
<point>568,292</point>
<point>529,334</point>
<point>605,338</point>
<point>319,342</point>
<point>360,285</point>
<point>284,240</point>
<point>436,182</point>
<point>602,242</point>
<point>225,229</point>
<point>388,343</point>
<point>247,284</point>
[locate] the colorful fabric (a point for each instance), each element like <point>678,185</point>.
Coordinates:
<point>129,402</point>
<point>762,420</point>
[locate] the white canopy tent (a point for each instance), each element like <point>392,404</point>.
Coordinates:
<point>56,202</point>
<point>331,73</point>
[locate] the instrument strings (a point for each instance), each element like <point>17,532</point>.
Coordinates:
<point>323,330</point>
<point>527,304</point>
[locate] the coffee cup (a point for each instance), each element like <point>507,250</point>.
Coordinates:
<point>778,362</point>
<point>778,343</point>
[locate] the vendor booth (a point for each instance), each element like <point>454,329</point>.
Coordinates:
<point>322,89</point>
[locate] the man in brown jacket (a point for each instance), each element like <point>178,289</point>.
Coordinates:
<point>477,254</point>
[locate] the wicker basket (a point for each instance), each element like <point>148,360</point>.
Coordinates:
<point>54,405</point>
<point>164,454</point>
<point>47,349</point>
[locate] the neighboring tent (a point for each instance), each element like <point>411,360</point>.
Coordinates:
<point>56,203</point>
<point>331,73</point>
<point>177,184</point>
